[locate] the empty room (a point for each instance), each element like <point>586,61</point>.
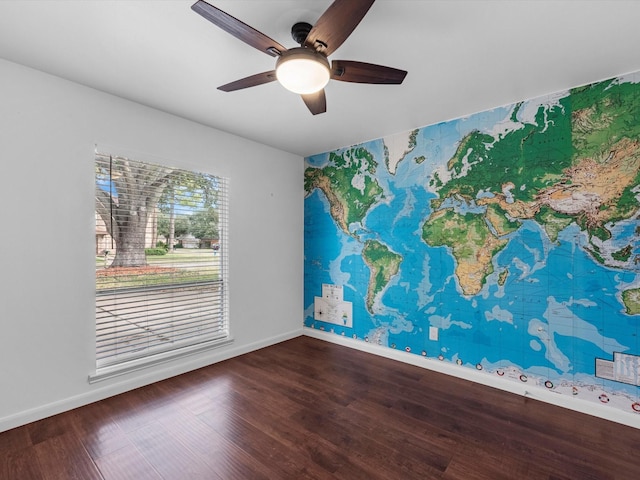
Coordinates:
<point>316,239</point>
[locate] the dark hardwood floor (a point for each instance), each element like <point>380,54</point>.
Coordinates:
<point>307,409</point>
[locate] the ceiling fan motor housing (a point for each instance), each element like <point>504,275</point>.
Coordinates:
<point>300,31</point>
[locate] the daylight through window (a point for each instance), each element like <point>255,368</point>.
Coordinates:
<point>161,268</point>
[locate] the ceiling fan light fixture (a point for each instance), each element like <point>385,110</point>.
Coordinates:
<point>303,71</point>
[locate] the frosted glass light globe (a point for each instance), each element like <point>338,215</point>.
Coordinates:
<point>303,71</point>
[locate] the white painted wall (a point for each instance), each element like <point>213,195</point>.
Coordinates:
<point>48,131</point>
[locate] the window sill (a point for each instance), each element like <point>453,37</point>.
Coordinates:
<point>111,371</point>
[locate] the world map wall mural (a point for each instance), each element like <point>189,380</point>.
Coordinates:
<point>507,241</point>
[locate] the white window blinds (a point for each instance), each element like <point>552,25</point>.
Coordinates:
<point>161,261</point>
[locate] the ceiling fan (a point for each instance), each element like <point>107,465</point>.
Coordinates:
<point>306,69</point>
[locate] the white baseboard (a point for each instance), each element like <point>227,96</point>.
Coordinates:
<point>530,391</point>
<point>138,379</point>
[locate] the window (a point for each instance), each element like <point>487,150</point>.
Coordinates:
<point>161,263</point>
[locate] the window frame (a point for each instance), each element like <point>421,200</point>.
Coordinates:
<point>211,295</point>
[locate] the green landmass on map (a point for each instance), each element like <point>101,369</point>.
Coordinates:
<point>413,138</point>
<point>598,187</point>
<point>623,254</point>
<point>383,265</point>
<point>552,221</point>
<point>578,162</point>
<point>349,184</point>
<point>502,278</point>
<point>631,301</point>
<point>471,242</point>
<point>519,157</point>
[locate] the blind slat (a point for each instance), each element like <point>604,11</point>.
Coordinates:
<point>149,335</point>
<point>195,318</point>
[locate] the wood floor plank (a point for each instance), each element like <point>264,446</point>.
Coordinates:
<point>133,411</point>
<point>99,432</point>
<point>275,422</point>
<point>126,463</point>
<point>285,463</point>
<point>51,427</point>
<point>477,463</point>
<point>299,391</point>
<point>222,456</point>
<point>308,409</point>
<point>19,464</point>
<point>381,457</point>
<point>265,391</point>
<point>481,429</point>
<point>169,457</point>
<point>63,457</point>
<point>15,439</point>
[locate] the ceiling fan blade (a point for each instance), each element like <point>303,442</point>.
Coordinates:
<point>336,24</point>
<point>360,72</point>
<point>238,29</point>
<point>315,102</point>
<point>252,81</point>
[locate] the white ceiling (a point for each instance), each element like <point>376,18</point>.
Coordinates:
<point>462,56</point>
